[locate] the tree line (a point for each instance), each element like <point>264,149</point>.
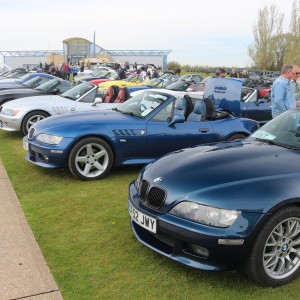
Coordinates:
<point>271,47</point>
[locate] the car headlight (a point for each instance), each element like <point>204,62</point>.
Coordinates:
<point>10,111</point>
<point>208,215</point>
<point>49,139</point>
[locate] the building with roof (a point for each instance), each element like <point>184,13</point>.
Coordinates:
<point>78,49</point>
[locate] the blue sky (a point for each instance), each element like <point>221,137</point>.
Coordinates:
<point>213,33</point>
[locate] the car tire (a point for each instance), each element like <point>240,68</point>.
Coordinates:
<point>274,258</point>
<point>90,159</point>
<point>237,136</point>
<point>32,118</point>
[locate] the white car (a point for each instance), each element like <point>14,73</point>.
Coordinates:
<point>21,114</point>
<point>194,95</point>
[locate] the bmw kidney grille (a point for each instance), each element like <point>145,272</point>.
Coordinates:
<point>153,197</point>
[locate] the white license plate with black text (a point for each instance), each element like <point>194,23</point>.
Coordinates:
<point>141,219</point>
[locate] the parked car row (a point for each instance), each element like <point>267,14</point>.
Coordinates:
<point>217,192</point>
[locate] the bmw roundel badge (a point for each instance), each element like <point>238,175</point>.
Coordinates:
<point>157,179</point>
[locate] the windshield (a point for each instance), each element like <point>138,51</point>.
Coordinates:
<point>178,86</point>
<point>155,82</point>
<point>25,78</point>
<point>78,90</point>
<point>49,85</point>
<point>130,78</point>
<point>12,75</point>
<point>109,74</point>
<point>284,130</point>
<point>32,82</point>
<point>142,104</point>
<point>165,76</point>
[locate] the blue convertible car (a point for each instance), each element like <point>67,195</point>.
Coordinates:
<point>137,131</point>
<point>227,205</point>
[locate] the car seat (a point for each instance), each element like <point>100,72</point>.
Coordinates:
<point>181,107</point>
<point>198,113</point>
<point>211,113</point>
<point>123,95</point>
<point>116,92</point>
<point>109,96</point>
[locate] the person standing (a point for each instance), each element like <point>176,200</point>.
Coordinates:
<point>121,73</point>
<point>75,70</point>
<point>206,71</point>
<point>234,73</point>
<point>282,96</point>
<point>155,73</point>
<point>244,74</point>
<point>143,73</point>
<point>82,67</point>
<point>295,84</point>
<point>221,73</point>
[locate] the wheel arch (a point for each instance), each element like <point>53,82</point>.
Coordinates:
<point>31,111</point>
<point>104,138</point>
<point>279,206</point>
<point>39,110</point>
<point>7,100</point>
<point>236,133</point>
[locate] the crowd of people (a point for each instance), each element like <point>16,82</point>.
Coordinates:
<point>145,71</point>
<point>285,92</point>
<point>66,71</point>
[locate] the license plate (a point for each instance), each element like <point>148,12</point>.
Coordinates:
<point>141,219</point>
<point>25,145</point>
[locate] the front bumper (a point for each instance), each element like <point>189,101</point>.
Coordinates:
<point>181,239</point>
<point>48,156</point>
<point>10,123</point>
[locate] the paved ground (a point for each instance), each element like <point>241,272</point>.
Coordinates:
<point>24,273</point>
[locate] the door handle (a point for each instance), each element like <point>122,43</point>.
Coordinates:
<point>203,129</point>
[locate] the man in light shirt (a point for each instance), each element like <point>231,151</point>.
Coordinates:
<point>282,96</point>
<point>295,84</point>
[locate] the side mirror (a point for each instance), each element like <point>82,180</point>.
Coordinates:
<point>55,91</point>
<point>97,101</point>
<point>177,119</point>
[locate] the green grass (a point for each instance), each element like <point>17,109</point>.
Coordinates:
<point>83,231</point>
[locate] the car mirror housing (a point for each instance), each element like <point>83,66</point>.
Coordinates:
<point>97,101</point>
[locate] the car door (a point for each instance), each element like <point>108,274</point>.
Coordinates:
<point>254,108</point>
<point>85,103</point>
<point>163,138</point>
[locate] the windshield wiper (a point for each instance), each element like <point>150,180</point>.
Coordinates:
<point>271,142</point>
<point>267,141</point>
<point>130,113</point>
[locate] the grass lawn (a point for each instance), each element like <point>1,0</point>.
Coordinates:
<point>83,231</point>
